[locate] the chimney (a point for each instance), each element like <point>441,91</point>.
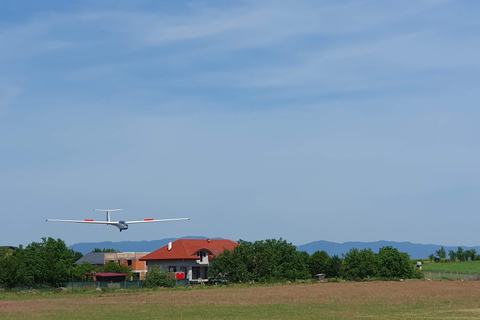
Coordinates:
<point>208,240</point>
<point>169,247</point>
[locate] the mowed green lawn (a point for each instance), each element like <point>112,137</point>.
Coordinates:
<point>372,300</point>
<point>460,267</point>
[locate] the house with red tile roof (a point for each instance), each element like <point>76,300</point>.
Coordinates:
<point>188,258</point>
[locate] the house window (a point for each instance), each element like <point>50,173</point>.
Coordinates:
<point>129,263</point>
<point>199,273</point>
<point>195,272</point>
<point>184,270</point>
<point>172,269</point>
<point>201,254</point>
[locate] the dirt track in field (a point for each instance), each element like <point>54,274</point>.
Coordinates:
<point>387,293</point>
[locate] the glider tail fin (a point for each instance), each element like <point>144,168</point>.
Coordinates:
<point>107,211</point>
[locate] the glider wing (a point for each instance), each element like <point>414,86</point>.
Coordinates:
<point>155,220</point>
<point>113,223</point>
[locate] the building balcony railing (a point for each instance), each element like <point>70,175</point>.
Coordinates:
<point>202,261</point>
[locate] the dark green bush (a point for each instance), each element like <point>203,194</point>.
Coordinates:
<point>156,277</point>
<point>394,264</point>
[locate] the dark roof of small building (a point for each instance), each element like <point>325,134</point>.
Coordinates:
<point>97,258</point>
<point>9,247</point>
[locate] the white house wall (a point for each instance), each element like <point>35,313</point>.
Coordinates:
<point>165,264</point>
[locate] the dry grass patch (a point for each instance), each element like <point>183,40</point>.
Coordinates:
<point>410,299</point>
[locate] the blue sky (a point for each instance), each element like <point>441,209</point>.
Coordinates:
<point>312,120</point>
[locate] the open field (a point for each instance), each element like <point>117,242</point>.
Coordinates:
<point>460,267</point>
<point>466,270</point>
<point>373,300</point>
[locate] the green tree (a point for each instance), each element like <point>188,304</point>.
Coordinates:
<point>230,265</point>
<point>12,269</point>
<point>471,254</point>
<point>30,255</point>
<point>333,269</point>
<point>441,253</point>
<point>77,255</point>
<point>360,264</point>
<point>78,272</point>
<point>394,264</point>
<point>115,268</point>
<point>48,262</point>
<point>291,264</point>
<point>460,254</point>
<point>104,250</point>
<point>317,262</point>
<point>452,254</point>
<point>156,277</point>
<point>267,260</point>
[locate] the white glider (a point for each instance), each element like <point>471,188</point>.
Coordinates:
<point>121,224</point>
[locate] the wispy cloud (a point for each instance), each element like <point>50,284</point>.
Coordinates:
<point>296,44</point>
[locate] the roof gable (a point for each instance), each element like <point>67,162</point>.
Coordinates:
<point>186,249</point>
<point>93,258</point>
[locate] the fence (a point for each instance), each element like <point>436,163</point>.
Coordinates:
<point>79,285</point>
<point>439,275</point>
<point>112,284</point>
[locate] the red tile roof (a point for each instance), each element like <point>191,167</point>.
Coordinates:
<point>186,249</point>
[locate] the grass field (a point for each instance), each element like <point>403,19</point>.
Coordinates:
<point>372,300</point>
<point>460,267</point>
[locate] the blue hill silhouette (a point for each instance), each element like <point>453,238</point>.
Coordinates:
<point>414,250</point>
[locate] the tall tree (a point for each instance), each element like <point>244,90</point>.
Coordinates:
<point>360,264</point>
<point>461,254</point>
<point>231,265</point>
<point>12,269</point>
<point>452,254</point>
<point>471,254</point>
<point>394,264</point>
<point>267,260</point>
<point>333,269</point>
<point>441,253</point>
<point>317,262</point>
<point>49,262</point>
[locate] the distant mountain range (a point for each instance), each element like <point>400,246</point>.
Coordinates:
<point>415,250</point>
<point>127,246</point>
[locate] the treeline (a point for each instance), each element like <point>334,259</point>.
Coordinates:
<point>48,263</point>
<point>459,255</point>
<point>51,263</point>
<point>277,260</point>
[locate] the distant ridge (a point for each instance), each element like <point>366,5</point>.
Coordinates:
<point>414,250</point>
<point>128,246</point>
